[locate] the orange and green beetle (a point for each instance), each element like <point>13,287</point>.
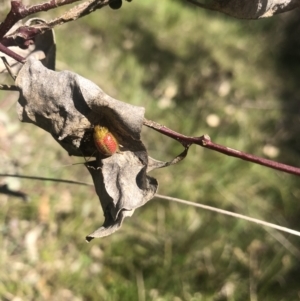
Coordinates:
<point>105,141</point>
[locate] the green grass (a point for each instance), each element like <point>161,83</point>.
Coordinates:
<point>182,64</point>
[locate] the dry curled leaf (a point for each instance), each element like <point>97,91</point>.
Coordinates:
<point>42,47</point>
<point>245,9</point>
<point>68,106</point>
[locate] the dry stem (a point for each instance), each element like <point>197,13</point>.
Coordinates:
<point>25,35</point>
<point>206,142</point>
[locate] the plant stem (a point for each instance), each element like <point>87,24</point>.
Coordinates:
<point>12,54</point>
<point>18,12</point>
<point>206,142</point>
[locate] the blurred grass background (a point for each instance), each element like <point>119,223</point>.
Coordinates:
<point>197,72</point>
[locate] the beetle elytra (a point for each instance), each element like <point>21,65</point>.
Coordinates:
<point>105,141</point>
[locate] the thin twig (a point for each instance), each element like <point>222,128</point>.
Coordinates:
<point>206,142</point>
<point>19,11</point>
<point>206,207</point>
<point>11,53</point>
<point>9,87</point>
<point>25,34</point>
<point>7,66</point>
<point>78,11</point>
<point>46,179</point>
<point>236,215</point>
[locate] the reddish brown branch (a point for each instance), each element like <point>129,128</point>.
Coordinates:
<point>24,35</point>
<point>206,142</point>
<point>18,12</point>
<point>12,54</point>
<point>12,17</point>
<point>78,11</point>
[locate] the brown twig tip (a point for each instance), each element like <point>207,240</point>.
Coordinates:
<point>17,8</point>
